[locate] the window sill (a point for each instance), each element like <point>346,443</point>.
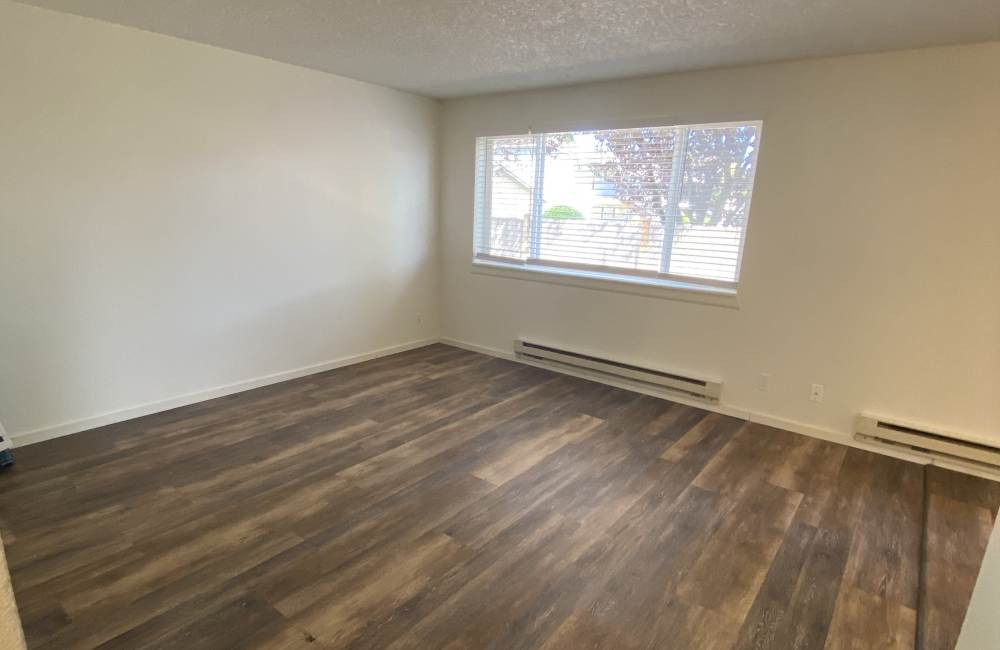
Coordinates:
<point>664,289</point>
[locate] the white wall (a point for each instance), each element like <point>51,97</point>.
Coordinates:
<point>176,217</point>
<point>872,262</point>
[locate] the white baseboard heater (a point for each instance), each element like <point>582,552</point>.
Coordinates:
<point>933,443</point>
<point>567,360</point>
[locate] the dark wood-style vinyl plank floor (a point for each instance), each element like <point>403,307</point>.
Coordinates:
<point>444,499</point>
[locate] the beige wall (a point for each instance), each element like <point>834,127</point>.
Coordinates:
<point>11,637</point>
<point>872,261</point>
<point>176,217</point>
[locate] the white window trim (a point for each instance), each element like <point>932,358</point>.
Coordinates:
<point>637,123</point>
<point>695,290</point>
<point>667,289</point>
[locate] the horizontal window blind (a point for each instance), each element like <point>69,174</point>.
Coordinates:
<point>652,202</point>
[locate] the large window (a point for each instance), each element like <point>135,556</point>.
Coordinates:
<point>652,204</point>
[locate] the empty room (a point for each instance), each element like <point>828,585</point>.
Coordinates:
<point>645,324</point>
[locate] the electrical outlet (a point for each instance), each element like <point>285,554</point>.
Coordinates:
<point>763,381</point>
<point>816,394</point>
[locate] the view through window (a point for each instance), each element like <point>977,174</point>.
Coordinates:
<point>639,203</point>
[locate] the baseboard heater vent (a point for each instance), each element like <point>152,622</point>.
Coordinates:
<point>567,360</point>
<point>934,443</point>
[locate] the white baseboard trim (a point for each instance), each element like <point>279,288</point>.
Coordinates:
<point>583,374</point>
<point>844,438</point>
<point>75,426</point>
<point>475,347</point>
<point>849,440</point>
<point>830,435</point>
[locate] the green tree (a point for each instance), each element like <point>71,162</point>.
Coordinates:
<point>714,179</point>
<point>639,168</point>
<point>718,175</point>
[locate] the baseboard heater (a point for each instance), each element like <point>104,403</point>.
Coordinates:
<point>933,443</point>
<point>567,360</point>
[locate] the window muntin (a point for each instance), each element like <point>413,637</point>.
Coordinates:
<point>650,203</point>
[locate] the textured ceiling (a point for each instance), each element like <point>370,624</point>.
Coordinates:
<point>447,48</point>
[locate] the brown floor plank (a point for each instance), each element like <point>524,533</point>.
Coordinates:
<point>960,514</point>
<point>734,562</point>
<point>442,498</point>
<point>864,620</point>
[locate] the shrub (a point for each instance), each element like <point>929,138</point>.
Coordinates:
<point>562,212</point>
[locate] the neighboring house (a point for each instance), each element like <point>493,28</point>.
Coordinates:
<point>509,212</point>
<point>511,194</point>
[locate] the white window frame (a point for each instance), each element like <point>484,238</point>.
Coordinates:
<point>645,283</point>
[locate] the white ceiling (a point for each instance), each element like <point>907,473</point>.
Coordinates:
<point>447,48</point>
